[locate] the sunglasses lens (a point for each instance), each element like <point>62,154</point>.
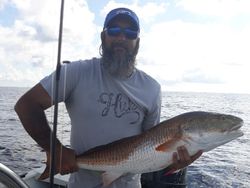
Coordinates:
<point>130,34</point>
<point>115,31</point>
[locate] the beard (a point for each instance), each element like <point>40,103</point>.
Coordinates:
<point>118,60</point>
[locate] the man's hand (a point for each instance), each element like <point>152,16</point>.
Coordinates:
<point>65,162</point>
<point>182,159</point>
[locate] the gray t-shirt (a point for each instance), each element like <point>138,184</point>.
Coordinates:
<point>102,109</point>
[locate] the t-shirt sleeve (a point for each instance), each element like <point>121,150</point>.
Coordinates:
<point>69,76</point>
<point>152,117</point>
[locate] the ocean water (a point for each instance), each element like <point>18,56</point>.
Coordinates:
<point>226,166</point>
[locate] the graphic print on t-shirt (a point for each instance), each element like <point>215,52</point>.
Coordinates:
<point>120,104</point>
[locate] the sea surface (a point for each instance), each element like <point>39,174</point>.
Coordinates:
<point>226,166</point>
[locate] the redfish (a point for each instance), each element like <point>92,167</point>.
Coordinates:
<point>153,149</point>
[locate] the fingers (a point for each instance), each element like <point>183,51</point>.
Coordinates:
<point>67,171</point>
<point>183,159</point>
<point>175,157</point>
<point>65,161</point>
<point>184,156</point>
<point>68,164</point>
<point>196,156</point>
<point>68,168</point>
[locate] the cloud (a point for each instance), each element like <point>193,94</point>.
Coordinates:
<point>43,17</point>
<point>219,8</point>
<point>180,54</point>
<point>37,61</point>
<point>30,44</point>
<point>201,76</point>
<point>199,44</point>
<point>3,4</point>
<point>146,12</point>
<point>80,31</point>
<point>150,11</point>
<point>33,31</point>
<point>184,53</point>
<point>14,74</point>
<point>19,46</point>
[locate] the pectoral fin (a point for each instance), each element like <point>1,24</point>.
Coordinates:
<point>109,177</point>
<point>166,145</point>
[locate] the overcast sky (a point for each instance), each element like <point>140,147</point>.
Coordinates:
<point>187,45</point>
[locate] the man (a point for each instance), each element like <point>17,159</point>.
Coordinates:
<point>107,99</point>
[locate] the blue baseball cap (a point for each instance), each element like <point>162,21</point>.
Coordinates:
<point>122,12</point>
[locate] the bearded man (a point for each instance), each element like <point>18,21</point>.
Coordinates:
<point>107,99</point>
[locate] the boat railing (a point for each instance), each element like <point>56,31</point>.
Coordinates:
<point>9,179</point>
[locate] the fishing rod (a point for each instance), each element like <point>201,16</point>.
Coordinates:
<point>58,70</point>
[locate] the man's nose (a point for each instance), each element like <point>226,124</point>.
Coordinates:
<point>121,36</point>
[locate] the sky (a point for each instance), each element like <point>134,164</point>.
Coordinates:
<point>186,45</point>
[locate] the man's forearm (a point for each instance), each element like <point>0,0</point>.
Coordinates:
<point>34,121</point>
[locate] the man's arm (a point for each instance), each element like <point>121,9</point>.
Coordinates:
<point>30,109</point>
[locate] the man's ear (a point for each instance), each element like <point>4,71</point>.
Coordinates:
<point>102,36</point>
<point>138,41</point>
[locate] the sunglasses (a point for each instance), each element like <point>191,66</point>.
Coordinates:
<point>116,31</point>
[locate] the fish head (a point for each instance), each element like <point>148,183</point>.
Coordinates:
<point>209,130</point>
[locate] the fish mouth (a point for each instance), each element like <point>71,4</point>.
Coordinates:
<point>235,130</point>
<point>238,133</point>
<point>237,127</point>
